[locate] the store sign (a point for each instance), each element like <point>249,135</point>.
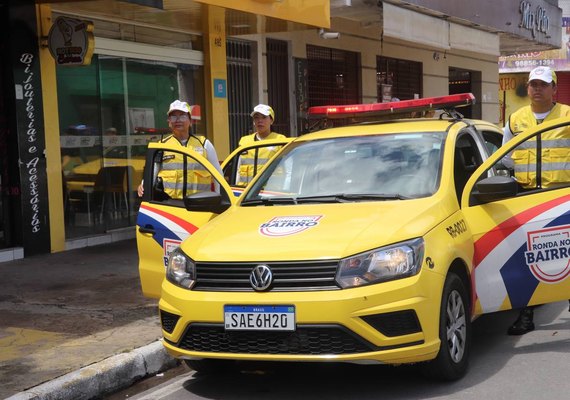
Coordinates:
<point>534,20</point>
<point>71,42</point>
<point>24,60</point>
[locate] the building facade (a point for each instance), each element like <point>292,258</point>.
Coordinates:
<point>514,69</point>
<point>86,85</point>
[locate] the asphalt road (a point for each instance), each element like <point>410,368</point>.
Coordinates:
<point>533,366</point>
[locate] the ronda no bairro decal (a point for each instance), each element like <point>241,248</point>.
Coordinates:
<point>283,226</point>
<point>548,253</point>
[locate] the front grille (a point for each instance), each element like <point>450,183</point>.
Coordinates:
<point>168,321</point>
<point>290,276</point>
<point>307,340</point>
<point>396,323</point>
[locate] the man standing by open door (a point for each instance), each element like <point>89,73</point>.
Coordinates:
<point>541,89</point>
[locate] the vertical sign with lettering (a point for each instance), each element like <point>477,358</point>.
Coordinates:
<point>301,95</point>
<point>30,130</point>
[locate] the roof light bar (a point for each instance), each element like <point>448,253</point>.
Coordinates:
<point>394,107</point>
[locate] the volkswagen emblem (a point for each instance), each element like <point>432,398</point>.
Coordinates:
<point>261,277</point>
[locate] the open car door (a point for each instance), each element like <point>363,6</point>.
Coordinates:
<point>517,208</point>
<point>163,221</point>
<point>245,162</point>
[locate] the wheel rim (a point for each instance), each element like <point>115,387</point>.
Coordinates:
<point>456,326</point>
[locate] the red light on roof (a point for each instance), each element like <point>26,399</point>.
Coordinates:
<point>394,107</point>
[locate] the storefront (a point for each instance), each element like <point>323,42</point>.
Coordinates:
<point>514,71</point>
<point>71,167</point>
<point>108,111</point>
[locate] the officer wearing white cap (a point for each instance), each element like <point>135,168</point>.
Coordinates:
<point>179,117</point>
<point>541,88</point>
<point>252,161</point>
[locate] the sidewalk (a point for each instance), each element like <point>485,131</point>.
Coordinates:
<point>75,325</point>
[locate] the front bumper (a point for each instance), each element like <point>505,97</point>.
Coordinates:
<point>392,322</point>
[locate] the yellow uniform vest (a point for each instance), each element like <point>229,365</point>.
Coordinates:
<point>198,179</point>
<point>250,162</point>
<point>555,145</point>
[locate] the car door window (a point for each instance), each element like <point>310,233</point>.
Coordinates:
<point>176,175</point>
<point>539,163</point>
<point>467,157</point>
<point>493,141</point>
<point>241,169</point>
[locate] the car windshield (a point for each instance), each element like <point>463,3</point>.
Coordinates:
<point>357,168</point>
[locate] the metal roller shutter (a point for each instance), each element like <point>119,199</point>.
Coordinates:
<point>563,92</point>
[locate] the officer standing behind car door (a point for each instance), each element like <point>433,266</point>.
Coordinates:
<point>541,88</point>
<point>179,121</point>
<point>252,161</point>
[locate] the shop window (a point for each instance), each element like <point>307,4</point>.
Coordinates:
<point>108,112</point>
<point>398,79</point>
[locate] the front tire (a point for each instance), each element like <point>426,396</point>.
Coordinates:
<point>454,332</point>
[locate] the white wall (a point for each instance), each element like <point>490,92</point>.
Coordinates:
<point>366,41</point>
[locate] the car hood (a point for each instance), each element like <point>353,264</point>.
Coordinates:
<point>313,231</point>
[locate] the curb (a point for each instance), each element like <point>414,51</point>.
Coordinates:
<point>107,376</point>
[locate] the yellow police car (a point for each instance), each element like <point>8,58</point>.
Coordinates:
<point>368,243</point>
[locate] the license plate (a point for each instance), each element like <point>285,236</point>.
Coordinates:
<point>259,318</point>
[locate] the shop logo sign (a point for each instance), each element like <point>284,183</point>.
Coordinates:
<point>548,254</point>
<point>534,21</point>
<point>284,226</point>
<point>71,42</point>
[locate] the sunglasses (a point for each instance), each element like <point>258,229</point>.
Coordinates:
<point>182,117</point>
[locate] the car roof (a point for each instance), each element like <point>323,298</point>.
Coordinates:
<point>410,125</point>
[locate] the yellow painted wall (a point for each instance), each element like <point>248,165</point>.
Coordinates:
<point>51,124</point>
<point>313,12</point>
<point>216,74</point>
<point>512,94</point>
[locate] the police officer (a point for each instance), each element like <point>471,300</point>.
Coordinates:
<point>198,178</point>
<point>251,162</point>
<point>541,88</point>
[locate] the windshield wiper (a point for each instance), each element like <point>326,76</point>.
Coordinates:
<point>269,201</point>
<point>350,197</point>
<point>335,198</point>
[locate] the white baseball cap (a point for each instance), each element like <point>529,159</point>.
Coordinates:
<point>178,105</point>
<point>263,109</point>
<point>544,74</point>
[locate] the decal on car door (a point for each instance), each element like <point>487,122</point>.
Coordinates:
<point>527,250</point>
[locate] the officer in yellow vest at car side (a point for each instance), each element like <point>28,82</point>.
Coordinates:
<point>198,178</point>
<point>555,160</point>
<point>541,89</point>
<point>252,161</point>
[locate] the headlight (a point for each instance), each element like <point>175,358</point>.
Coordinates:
<point>384,264</point>
<point>181,270</point>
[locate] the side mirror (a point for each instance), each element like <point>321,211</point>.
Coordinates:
<point>495,188</point>
<point>206,201</point>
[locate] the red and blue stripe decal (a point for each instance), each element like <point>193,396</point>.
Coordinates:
<point>165,224</point>
<point>499,259</point>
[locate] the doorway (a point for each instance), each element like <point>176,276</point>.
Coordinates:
<point>466,81</point>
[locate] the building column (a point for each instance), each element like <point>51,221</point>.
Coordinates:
<point>216,76</point>
<point>51,129</point>
<point>29,117</point>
